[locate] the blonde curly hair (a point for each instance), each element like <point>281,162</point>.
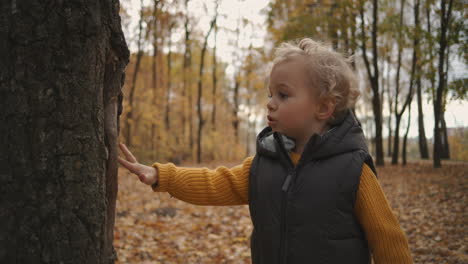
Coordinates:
<point>330,71</point>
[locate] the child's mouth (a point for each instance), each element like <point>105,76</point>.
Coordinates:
<point>271,120</point>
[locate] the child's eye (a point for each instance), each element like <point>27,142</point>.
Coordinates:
<point>283,95</point>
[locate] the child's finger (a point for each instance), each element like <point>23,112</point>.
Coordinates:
<point>127,153</point>
<point>130,166</point>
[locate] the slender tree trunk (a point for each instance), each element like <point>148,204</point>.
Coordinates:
<point>332,28</point>
<point>61,73</point>
<point>344,27</point>
<point>390,106</point>
<point>445,142</point>
<point>374,78</point>
<point>215,81</point>
<point>235,109</point>
<point>431,56</point>
<point>154,142</point>
<point>248,72</point>
<point>398,114</point>
<point>405,138</point>
<point>129,117</point>
<point>247,136</point>
<point>201,121</point>
<point>353,28</point>
<point>422,133</point>
<point>444,22</point>
<point>187,90</point>
<point>422,141</point>
<point>169,80</point>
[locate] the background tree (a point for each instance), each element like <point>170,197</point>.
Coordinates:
<point>373,74</point>
<point>407,99</point>
<point>155,39</point>
<point>422,141</point>
<point>201,120</point>
<point>129,120</point>
<point>445,18</point>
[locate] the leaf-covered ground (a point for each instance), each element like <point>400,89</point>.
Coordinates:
<point>156,228</point>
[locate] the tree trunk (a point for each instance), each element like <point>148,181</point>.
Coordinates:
<point>235,108</point>
<point>129,117</point>
<point>374,79</point>
<point>187,103</point>
<point>445,143</point>
<point>61,75</point>
<point>398,114</point>
<point>248,72</point>
<point>422,133</point>
<point>353,27</point>
<point>167,120</point>
<point>215,81</point>
<point>414,75</point>
<point>154,142</point>
<point>247,136</point>
<point>201,121</point>
<point>422,141</point>
<point>332,27</point>
<point>390,107</point>
<point>405,138</point>
<point>444,22</point>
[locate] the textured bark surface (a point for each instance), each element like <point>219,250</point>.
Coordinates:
<point>61,72</point>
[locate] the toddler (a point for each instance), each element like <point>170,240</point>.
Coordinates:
<point>311,187</point>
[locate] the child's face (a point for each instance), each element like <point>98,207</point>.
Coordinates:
<point>293,101</point>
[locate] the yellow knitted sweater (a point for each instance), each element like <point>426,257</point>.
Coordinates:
<point>229,186</point>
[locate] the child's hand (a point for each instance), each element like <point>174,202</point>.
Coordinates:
<point>146,174</point>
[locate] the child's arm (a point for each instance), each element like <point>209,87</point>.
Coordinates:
<point>202,186</point>
<point>386,239</point>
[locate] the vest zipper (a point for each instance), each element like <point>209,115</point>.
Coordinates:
<point>288,180</point>
<point>284,225</point>
<point>284,202</point>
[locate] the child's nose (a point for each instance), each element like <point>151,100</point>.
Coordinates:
<point>270,106</point>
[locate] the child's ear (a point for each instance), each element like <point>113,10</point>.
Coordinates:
<point>325,109</point>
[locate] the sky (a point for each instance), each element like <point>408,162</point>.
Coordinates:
<point>230,11</point>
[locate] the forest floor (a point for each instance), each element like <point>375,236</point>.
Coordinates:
<point>431,205</point>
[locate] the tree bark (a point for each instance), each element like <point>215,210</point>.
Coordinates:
<point>445,142</point>
<point>390,106</point>
<point>61,74</point>
<point>374,79</point>
<point>154,141</point>
<point>405,138</point>
<point>399,113</point>
<point>444,22</point>
<point>130,117</point>
<point>187,104</point>
<point>215,81</point>
<point>201,121</point>
<point>248,72</point>
<point>422,141</point>
<point>167,120</point>
<point>235,108</point>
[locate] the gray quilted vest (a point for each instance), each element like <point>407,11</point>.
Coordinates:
<point>305,214</point>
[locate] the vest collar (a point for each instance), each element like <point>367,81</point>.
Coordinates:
<point>346,135</point>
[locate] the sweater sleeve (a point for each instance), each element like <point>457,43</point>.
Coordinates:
<point>203,186</point>
<point>387,241</point>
